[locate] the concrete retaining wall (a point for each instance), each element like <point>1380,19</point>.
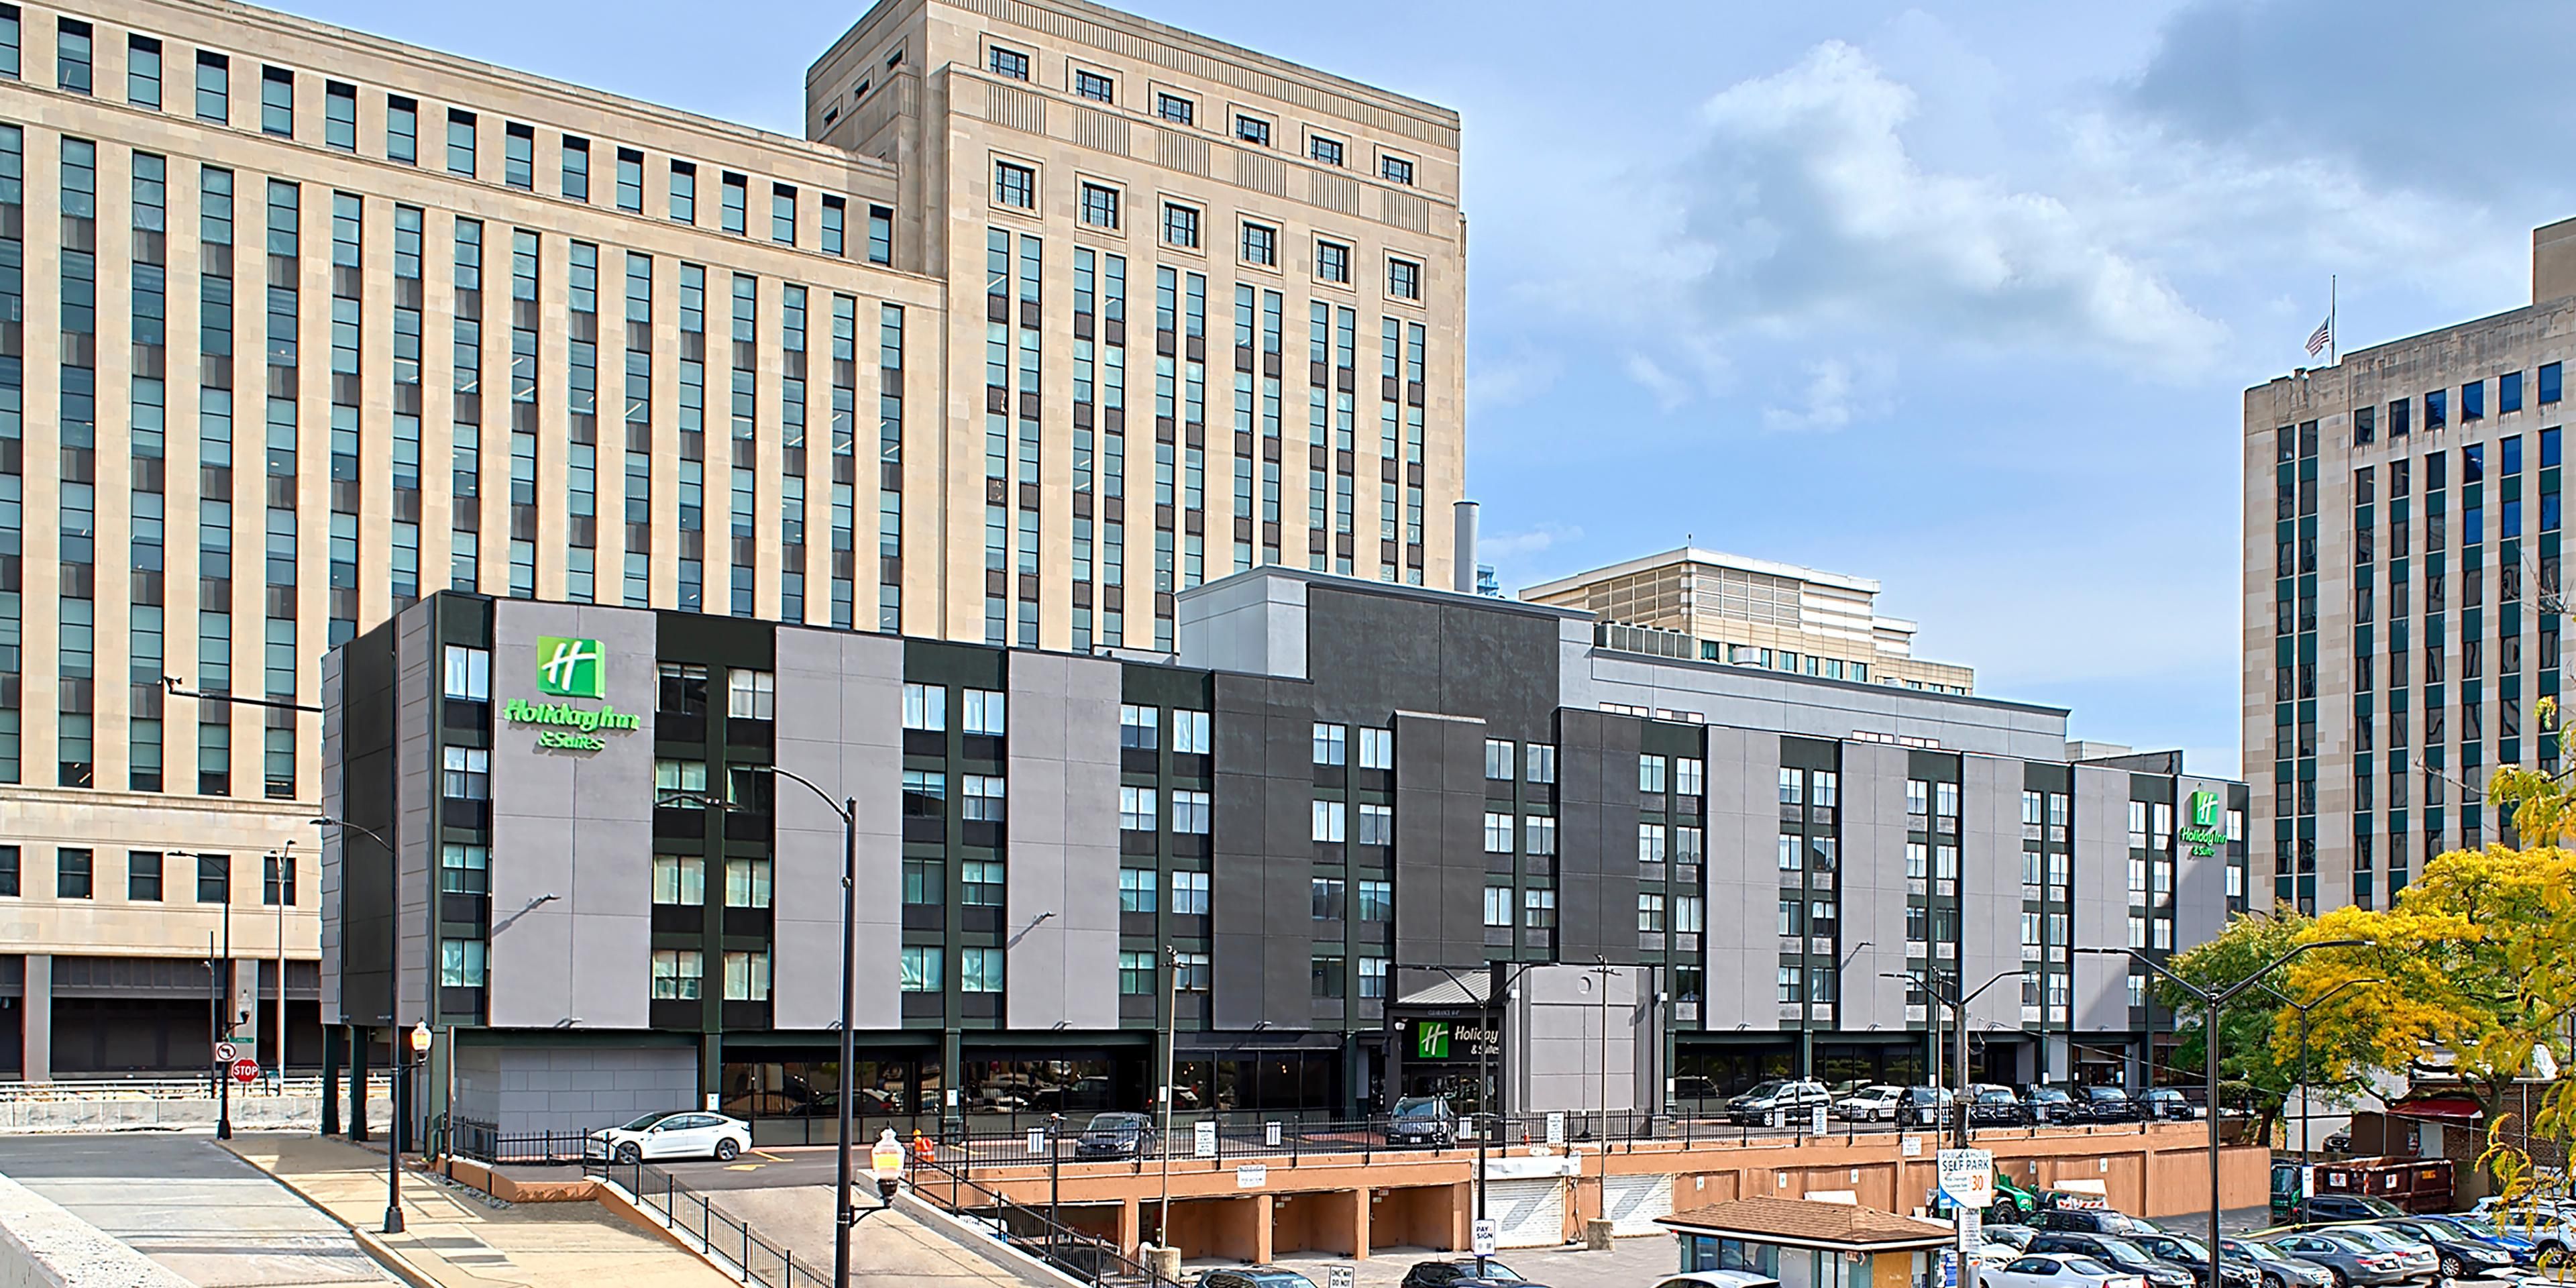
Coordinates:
<point>249,1113</point>
<point>43,1246</point>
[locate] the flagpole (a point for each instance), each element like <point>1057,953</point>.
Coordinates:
<point>2333,323</point>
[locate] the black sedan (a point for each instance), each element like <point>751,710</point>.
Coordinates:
<point>1121,1135</point>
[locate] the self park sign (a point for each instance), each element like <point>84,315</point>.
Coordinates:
<point>570,668</point>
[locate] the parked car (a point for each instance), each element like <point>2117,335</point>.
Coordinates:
<point>2058,1271</point>
<point>2117,1253</point>
<point>1459,1270</point>
<point>2102,1221</point>
<point>2352,1262</point>
<point>1719,1279</point>
<point>1254,1277</point>
<point>1923,1107</point>
<point>2165,1104</point>
<point>1790,1098</point>
<point>2048,1104</point>
<point>1996,1107</point>
<point>2317,1208</point>
<point>2462,1253</point>
<point>2018,1236</point>
<point>2106,1105</point>
<point>1694,1089</point>
<point>679,1133</point>
<point>2193,1255</point>
<point>2528,1237</point>
<point>1873,1104</point>
<point>2419,1257</point>
<point>1422,1120</point>
<point>2279,1269</point>
<point>1115,1135</point>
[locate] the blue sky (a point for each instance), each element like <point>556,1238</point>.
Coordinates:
<point>1963,298</point>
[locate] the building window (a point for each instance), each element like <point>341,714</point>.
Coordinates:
<point>1396,170</point>
<point>1252,130</point>
<point>684,193</point>
<point>747,883</point>
<point>1498,907</point>
<point>277,102</point>
<point>925,707</point>
<point>1015,185</point>
<point>1333,262</point>
<point>1688,844</point>
<point>1329,744</point>
<point>142,69</point>
<point>1538,835</point>
<point>1136,887</point>
<point>1191,813</point>
<point>2549,382</point>
<point>1192,733</point>
<point>1328,151</point>
<point>1135,974</point>
<point>987,712</point>
<point>746,975</point>
<point>751,695</point>
<point>1538,909</point>
<point>1372,977</point>
<point>1498,833</point>
<point>1540,761</point>
<point>1180,225</point>
<point>1689,914</point>
<point>1651,774</point>
<point>460,963</point>
<point>925,794</point>
<point>1189,894</point>
<point>1140,728</point>
<point>1011,63</point>
<point>214,878</point>
<point>678,974</point>
<point>576,168</point>
<point>674,777</point>
<point>1377,749</point>
<point>460,143</point>
<point>402,130</point>
<point>1650,914</point>
<point>9,871</point>
<point>464,869</point>
<point>1136,809</point>
<point>1326,897</point>
<point>880,236</point>
<point>630,180</point>
<point>1329,819</point>
<point>1325,975</point>
<point>277,880</point>
<point>1690,777</point>
<point>519,156</point>
<point>985,798</point>
<point>979,970</point>
<point>782,214</point>
<point>1191,972</point>
<point>143,876</point>
<point>1376,901</point>
<point>1377,825</point>
<point>925,882</point>
<point>1099,206</point>
<point>1650,842</point>
<point>922,969</point>
<point>1094,86</point>
<point>983,883</point>
<point>71,55</point>
<point>468,774</point>
<point>214,89</point>
<point>1403,279</point>
<point>1176,109</point>
<point>1260,244</point>
<point>71,874</point>
<point>734,198</point>
<point>340,116</point>
<point>469,673</point>
<point>679,880</point>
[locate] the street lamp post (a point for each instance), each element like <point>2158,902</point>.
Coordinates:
<point>847,809</point>
<point>2303,1008</point>
<point>1486,1090</point>
<point>2211,1001</point>
<point>393,1012</point>
<point>1933,985</point>
<point>222,969</point>
<point>1171,1063</point>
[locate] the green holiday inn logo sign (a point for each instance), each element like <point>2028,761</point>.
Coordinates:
<point>570,668</point>
<point>2206,831</point>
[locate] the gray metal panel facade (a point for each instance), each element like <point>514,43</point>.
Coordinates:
<point>1750,698</point>
<point>1062,932</point>
<point>572,892</point>
<point>1567,1050</point>
<point>1743,879</point>
<point>1265,788</point>
<point>419,678</point>
<point>1990,887</point>
<point>334,748</point>
<point>840,721</point>
<point>572,1087</point>
<point>2101,897</point>
<point>1440,840</point>
<point>1596,797</point>
<point>1874,885</point>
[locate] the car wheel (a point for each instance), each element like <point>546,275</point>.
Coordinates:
<point>2550,1257</point>
<point>2341,1279</point>
<point>2452,1268</point>
<point>2274,1281</point>
<point>727,1150</point>
<point>629,1155</point>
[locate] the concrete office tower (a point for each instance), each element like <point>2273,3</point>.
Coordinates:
<point>302,326</point>
<point>2402,592</point>
<point>1719,607</point>
<point>1349,808</point>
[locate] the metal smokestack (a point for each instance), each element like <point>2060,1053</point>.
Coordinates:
<point>1462,574</point>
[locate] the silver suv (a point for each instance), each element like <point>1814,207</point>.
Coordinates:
<point>1789,1098</point>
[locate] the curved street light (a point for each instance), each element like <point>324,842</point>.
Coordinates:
<point>393,1008</point>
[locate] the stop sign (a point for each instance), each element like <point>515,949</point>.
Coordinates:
<point>245,1071</point>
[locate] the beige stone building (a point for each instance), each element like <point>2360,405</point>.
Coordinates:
<point>301,325</point>
<point>2402,595</point>
<point>1719,607</point>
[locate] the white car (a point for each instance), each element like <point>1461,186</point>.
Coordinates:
<point>1718,1279</point>
<point>684,1133</point>
<point>2056,1270</point>
<point>1870,1104</point>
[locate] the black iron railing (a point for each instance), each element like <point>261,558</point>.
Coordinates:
<point>724,1238</point>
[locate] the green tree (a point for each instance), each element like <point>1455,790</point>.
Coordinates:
<point>2256,1066</point>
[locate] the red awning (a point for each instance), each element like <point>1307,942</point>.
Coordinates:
<point>2449,1109</point>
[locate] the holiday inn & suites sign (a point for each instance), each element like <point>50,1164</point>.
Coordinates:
<point>570,668</point>
<point>2206,831</point>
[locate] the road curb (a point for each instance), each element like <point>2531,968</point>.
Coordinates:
<point>368,1241</point>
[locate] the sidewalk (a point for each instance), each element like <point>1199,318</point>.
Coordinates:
<point>453,1240</point>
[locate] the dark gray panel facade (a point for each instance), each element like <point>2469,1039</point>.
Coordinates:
<point>1440,840</point>
<point>1260,905</point>
<point>1378,653</point>
<point>1596,865</point>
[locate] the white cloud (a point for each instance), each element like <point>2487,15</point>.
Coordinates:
<point>1833,398</point>
<point>1515,376</point>
<point>1670,391</point>
<point>1496,547</point>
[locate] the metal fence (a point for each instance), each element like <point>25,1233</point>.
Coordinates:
<point>486,1143</point>
<point>724,1239</point>
<point>1084,1256</point>
<point>96,1090</point>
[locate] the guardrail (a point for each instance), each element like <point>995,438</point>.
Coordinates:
<point>1086,1257</point>
<point>725,1240</point>
<point>486,1143</point>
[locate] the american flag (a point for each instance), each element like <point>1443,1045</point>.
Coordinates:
<point>2318,339</point>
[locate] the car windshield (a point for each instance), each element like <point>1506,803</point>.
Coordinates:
<point>1494,1272</point>
<point>2256,1251</point>
<point>2124,1253</point>
<point>1417,1107</point>
<point>2191,1251</point>
<point>2381,1206</point>
<point>1761,1089</point>
<point>1111,1122</point>
<point>2086,1266</point>
<point>2383,1240</point>
<point>648,1120</point>
<point>1280,1279</point>
<point>1994,1097</point>
<point>2106,1093</point>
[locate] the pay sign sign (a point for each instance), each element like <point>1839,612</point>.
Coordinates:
<point>1968,1178</point>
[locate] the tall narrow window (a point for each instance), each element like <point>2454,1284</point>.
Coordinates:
<point>277,102</point>
<point>142,69</point>
<point>402,130</point>
<point>214,88</point>
<point>460,143</point>
<point>576,168</point>
<point>71,55</point>
<point>518,156</point>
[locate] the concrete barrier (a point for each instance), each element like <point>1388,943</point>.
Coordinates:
<point>249,1113</point>
<point>43,1246</point>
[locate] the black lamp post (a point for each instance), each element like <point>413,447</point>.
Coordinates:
<point>2211,1001</point>
<point>393,1009</point>
<point>2303,1008</point>
<point>1945,991</point>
